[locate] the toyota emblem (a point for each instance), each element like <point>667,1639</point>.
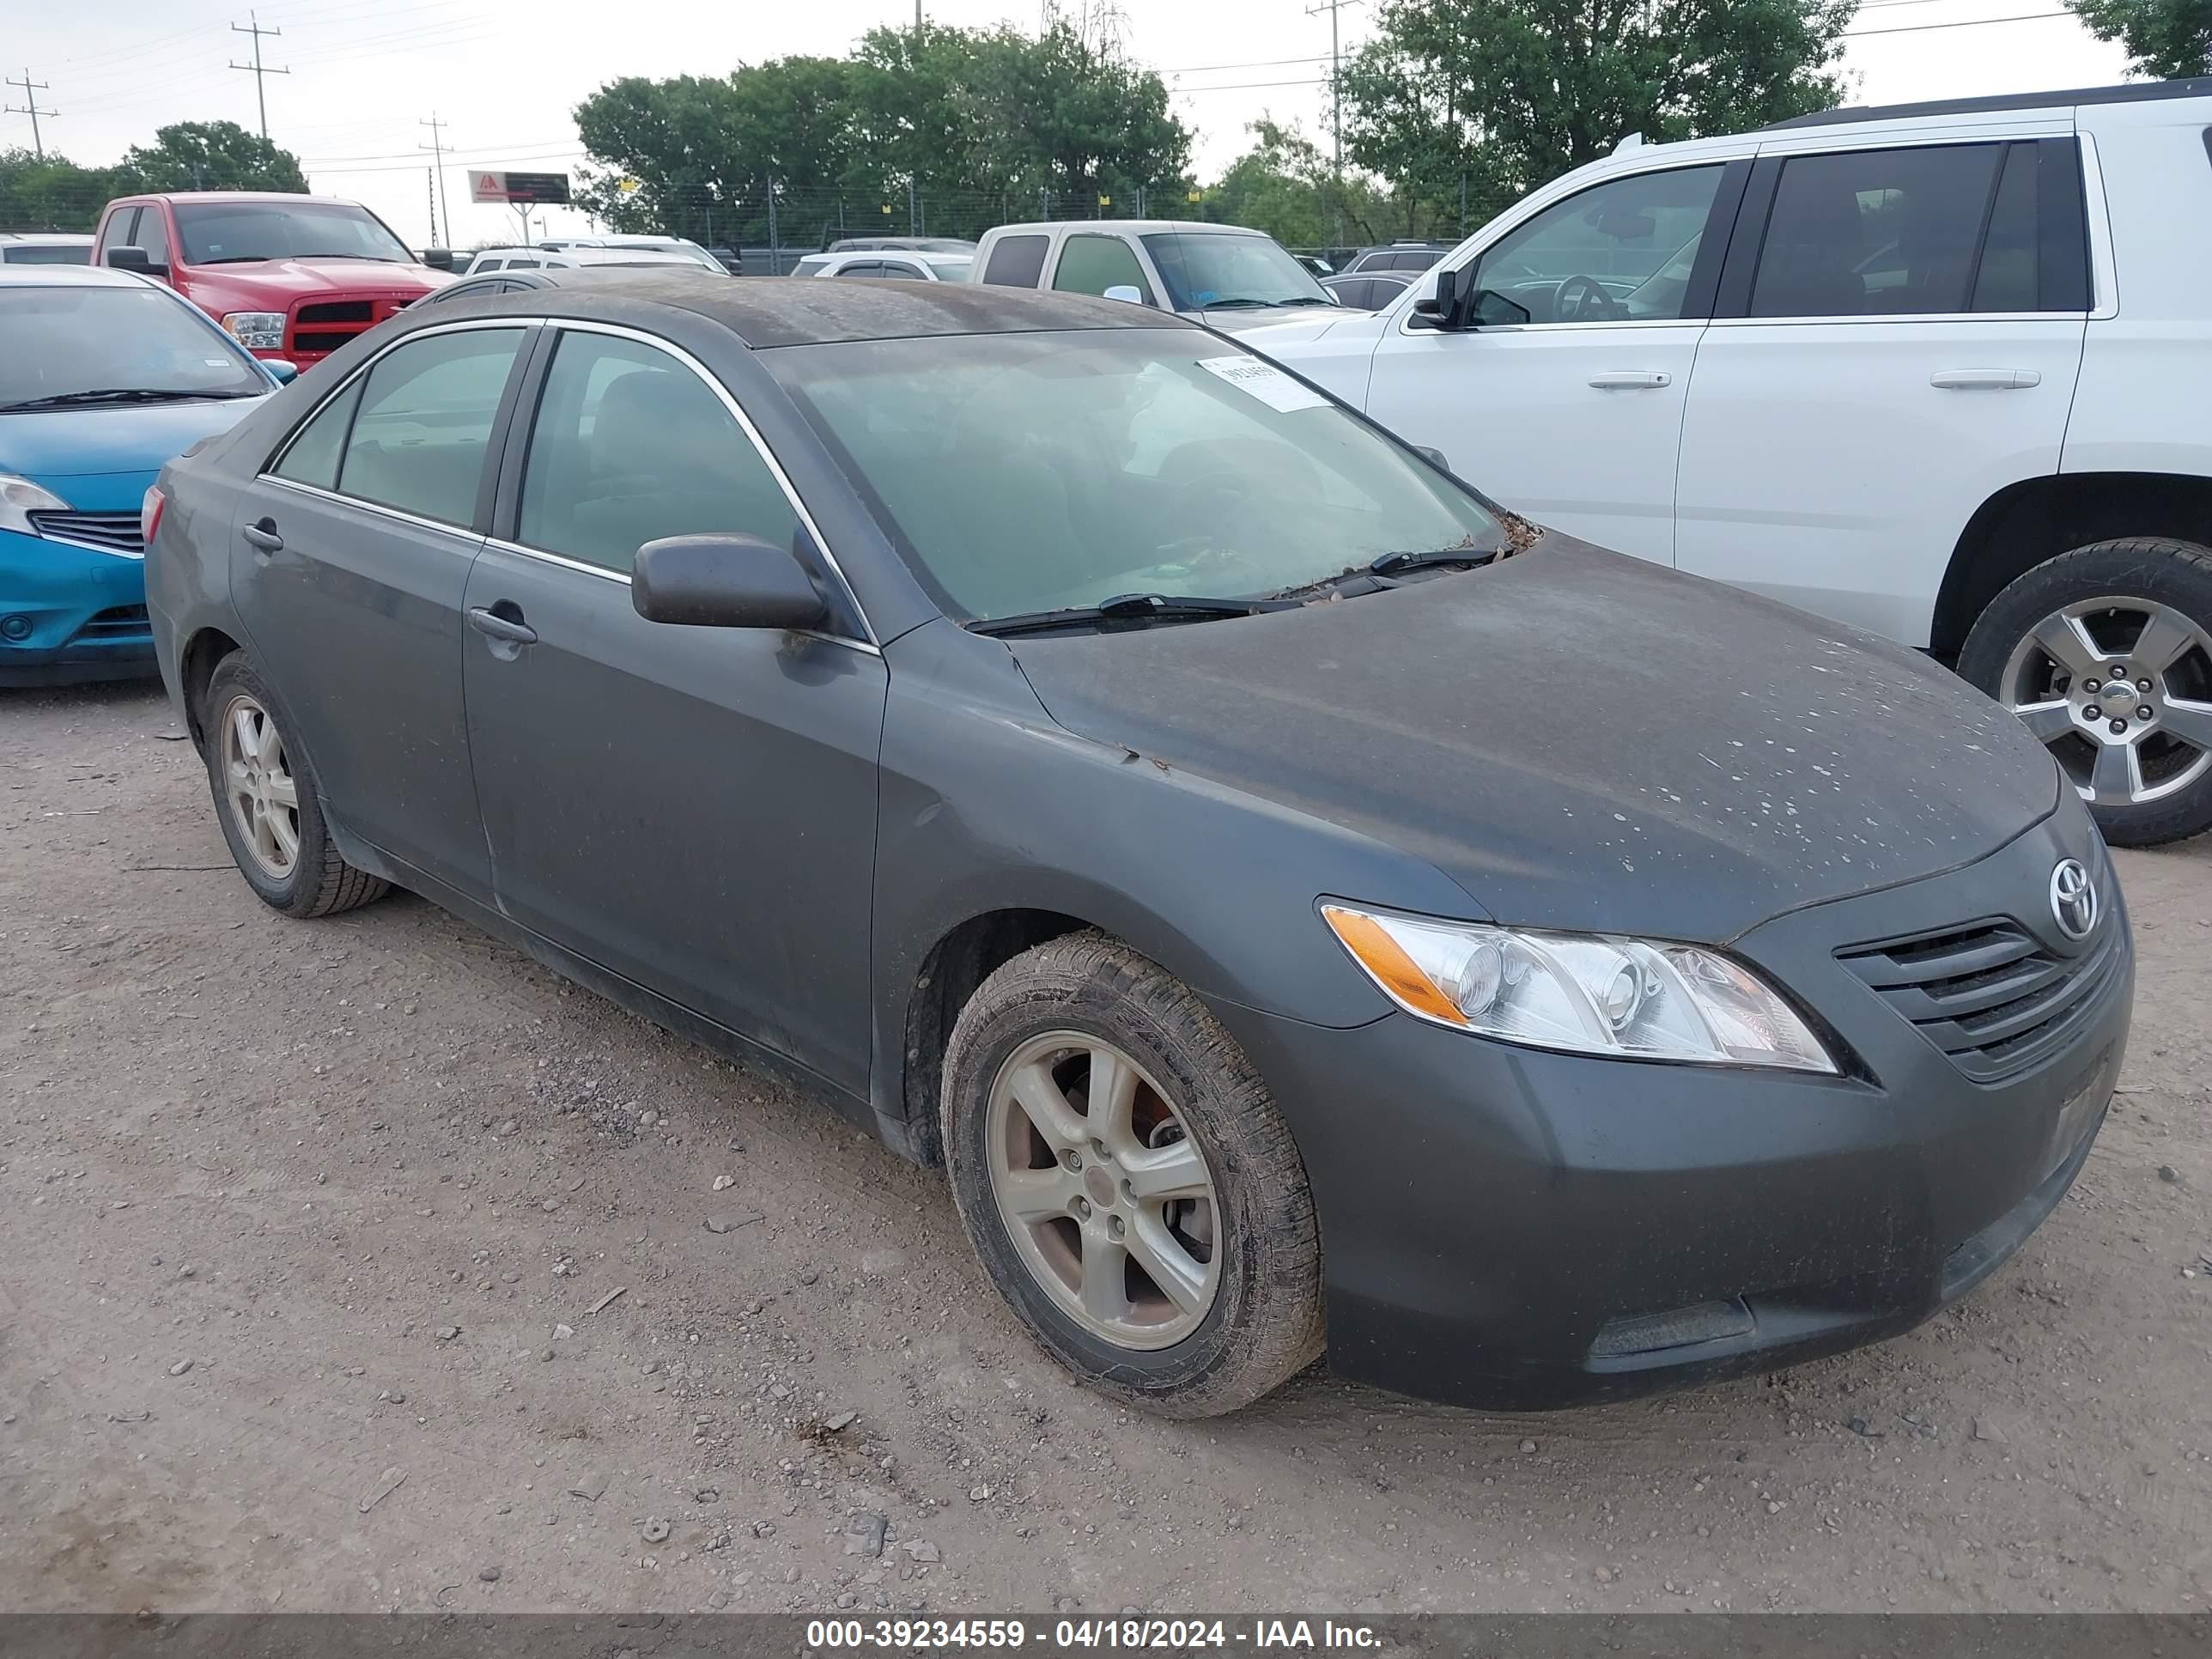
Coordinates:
<point>2073,899</point>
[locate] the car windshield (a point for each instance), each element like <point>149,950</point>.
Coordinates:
<point>228,233</point>
<point>1210,268</point>
<point>87,344</point>
<point>1029,472</point>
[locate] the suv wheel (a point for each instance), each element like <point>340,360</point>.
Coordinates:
<point>1126,1181</point>
<point>2106,653</point>
<point>265,799</point>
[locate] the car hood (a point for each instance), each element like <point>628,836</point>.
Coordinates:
<point>1272,332</point>
<point>298,279</point>
<point>1235,319</point>
<point>1579,740</point>
<point>59,444</point>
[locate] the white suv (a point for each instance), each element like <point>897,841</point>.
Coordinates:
<point>1942,371</point>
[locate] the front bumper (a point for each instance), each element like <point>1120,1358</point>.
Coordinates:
<point>69,613</point>
<point>1515,1229</point>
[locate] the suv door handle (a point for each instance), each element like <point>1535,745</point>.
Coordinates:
<point>491,622</point>
<point>1631,380</point>
<point>1985,380</point>
<point>261,537</point>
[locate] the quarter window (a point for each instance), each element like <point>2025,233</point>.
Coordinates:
<point>313,457</point>
<point>631,446</point>
<point>1624,250</point>
<point>424,423</point>
<point>1017,261</point>
<point>1877,232</point>
<point>1091,265</point>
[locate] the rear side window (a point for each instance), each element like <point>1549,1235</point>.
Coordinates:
<point>527,264</point>
<point>424,423</point>
<point>1017,261</point>
<point>1091,265</point>
<point>631,446</point>
<point>313,457</point>
<point>1876,232</point>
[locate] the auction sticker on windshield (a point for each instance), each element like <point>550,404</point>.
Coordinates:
<point>1264,381</point>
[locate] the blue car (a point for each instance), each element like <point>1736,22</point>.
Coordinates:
<point>104,376</point>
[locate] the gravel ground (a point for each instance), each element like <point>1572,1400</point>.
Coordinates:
<point>308,1231</point>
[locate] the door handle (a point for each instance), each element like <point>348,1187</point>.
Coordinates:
<point>261,537</point>
<point>1985,380</point>
<point>500,628</point>
<point>1631,380</point>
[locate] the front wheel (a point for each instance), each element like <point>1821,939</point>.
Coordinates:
<point>2105,655</point>
<point>1126,1181</point>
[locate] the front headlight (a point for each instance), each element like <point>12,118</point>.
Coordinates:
<point>257,330</point>
<point>1592,993</point>
<point>20,498</point>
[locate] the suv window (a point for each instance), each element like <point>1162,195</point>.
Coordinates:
<point>424,423</point>
<point>1623,251</point>
<point>1876,232</point>
<point>1091,265</point>
<point>631,446</point>
<point>1017,261</point>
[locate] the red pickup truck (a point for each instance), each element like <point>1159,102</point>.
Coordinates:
<point>292,277</point>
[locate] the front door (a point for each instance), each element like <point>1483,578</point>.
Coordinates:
<point>1908,335</point>
<point>352,554</point>
<point>693,809</point>
<point>1564,399</point>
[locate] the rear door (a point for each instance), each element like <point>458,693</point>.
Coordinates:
<point>352,557</point>
<point>693,809</point>
<point>1565,400</point>
<point>1898,334</point>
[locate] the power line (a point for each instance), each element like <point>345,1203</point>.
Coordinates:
<point>260,94</point>
<point>30,107</point>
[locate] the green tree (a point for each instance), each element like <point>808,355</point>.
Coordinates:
<point>49,193</point>
<point>1284,186</point>
<point>2169,39</point>
<point>1485,100</point>
<point>210,155</point>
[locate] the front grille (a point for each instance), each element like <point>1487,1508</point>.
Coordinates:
<point>111,532</point>
<point>321,326</point>
<point>337,310</point>
<point>118,622</point>
<point>1987,993</point>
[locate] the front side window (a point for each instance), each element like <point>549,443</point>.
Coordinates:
<point>154,236</point>
<point>86,345</point>
<point>631,446</point>
<point>243,232</point>
<point>424,423</point>
<point>1091,265</point>
<point>1619,251</point>
<point>1224,270</point>
<point>1025,472</point>
<point>1884,232</point>
<point>1017,261</point>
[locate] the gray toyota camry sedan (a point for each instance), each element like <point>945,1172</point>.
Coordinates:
<point>1301,906</point>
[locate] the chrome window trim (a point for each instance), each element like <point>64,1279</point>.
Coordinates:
<point>459,531</point>
<point>268,469</point>
<point>586,325</point>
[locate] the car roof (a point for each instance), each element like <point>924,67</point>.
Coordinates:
<point>766,312</point>
<point>69,277</point>
<point>2134,92</point>
<point>233,196</point>
<point>45,237</point>
<point>1140,227</point>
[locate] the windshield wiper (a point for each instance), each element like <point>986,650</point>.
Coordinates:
<point>243,259</point>
<point>1394,564</point>
<point>1301,299</point>
<point>134,394</point>
<point>1231,304</point>
<point>1123,610</point>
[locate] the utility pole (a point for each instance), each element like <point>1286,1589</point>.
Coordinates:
<point>438,159</point>
<point>30,107</point>
<point>1336,98</point>
<point>252,26</point>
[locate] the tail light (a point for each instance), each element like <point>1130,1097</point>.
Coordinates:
<point>149,514</point>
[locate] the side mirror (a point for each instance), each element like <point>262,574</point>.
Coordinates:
<point>286,372</point>
<point>1128,292</point>
<point>1443,311</point>
<point>135,260</point>
<point>723,581</point>
<point>438,258</point>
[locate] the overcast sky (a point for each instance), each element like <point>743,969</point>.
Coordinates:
<point>504,75</point>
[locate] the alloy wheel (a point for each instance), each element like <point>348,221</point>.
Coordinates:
<point>263,796</point>
<point>2120,690</point>
<point>1110,1202</point>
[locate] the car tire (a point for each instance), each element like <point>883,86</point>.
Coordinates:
<point>267,803</point>
<point>1187,1086</point>
<point>2132,598</point>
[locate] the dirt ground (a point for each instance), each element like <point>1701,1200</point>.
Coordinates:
<point>292,1211</point>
